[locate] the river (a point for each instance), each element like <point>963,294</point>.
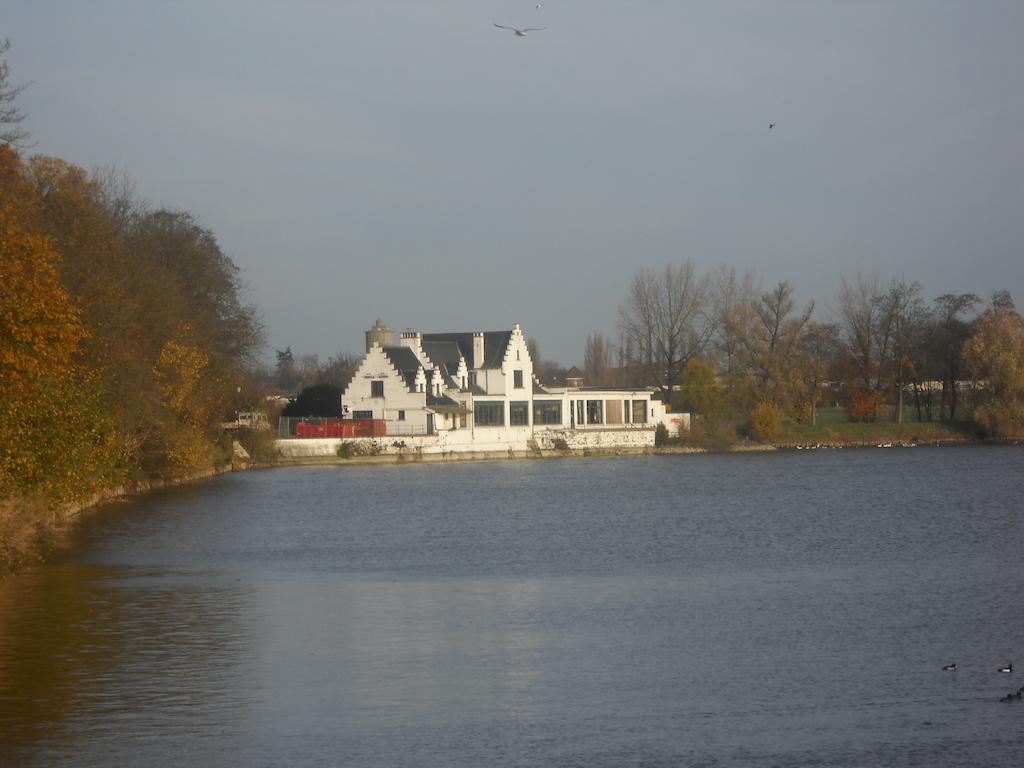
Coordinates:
<point>779,609</point>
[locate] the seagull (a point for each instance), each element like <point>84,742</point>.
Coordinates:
<point>539,6</point>
<point>770,126</point>
<point>521,32</point>
<point>950,667</point>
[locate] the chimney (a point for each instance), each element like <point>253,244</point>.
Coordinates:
<point>478,349</point>
<point>413,340</point>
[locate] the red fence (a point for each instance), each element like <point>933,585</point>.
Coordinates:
<point>331,427</point>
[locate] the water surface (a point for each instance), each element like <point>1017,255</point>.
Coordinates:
<point>774,609</point>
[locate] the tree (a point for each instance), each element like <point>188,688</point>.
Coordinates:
<point>203,282</point>
<point>287,374</point>
<point>339,370</point>
<point>10,115</point>
<point>820,348</point>
<point>597,361</point>
<point>729,295</point>
<point>322,400</point>
<point>55,438</point>
<point>180,374</point>
<point>539,367</point>
<point>906,317</point>
<point>952,332</point>
<point>865,337</point>
<point>701,393</point>
<point>768,340</point>
<point>994,354</point>
<point>666,321</point>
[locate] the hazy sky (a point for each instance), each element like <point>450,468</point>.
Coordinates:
<point>408,161</point>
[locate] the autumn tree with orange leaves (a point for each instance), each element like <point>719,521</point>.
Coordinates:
<point>54,437</point>
<point>995,356</point>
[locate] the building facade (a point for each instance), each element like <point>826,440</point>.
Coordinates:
<point>477,390</point>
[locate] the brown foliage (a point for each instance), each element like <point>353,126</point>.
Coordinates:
<point>766,421</point>
<point>864,404</point>
<point>995,355</point>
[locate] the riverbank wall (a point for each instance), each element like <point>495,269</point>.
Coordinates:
<point>463,444</point>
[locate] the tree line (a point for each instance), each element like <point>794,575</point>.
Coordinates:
<point>724,348</point>
<point>124,335</point>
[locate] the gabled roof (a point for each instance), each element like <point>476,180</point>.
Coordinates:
<point>447,378</point>
<point>406,362</point>
<point>464,342</point>
<point>495,344</point>
<point>443,353</point>
<point>403,358</point>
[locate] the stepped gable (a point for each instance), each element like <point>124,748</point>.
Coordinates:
<point>495,346</point>
<point>446,378</point>
<point>405,362</point>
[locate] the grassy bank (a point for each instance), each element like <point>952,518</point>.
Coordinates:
<point>832,427</point>
<point>875,433</point>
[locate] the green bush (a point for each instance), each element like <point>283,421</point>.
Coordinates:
<point>660,435</point>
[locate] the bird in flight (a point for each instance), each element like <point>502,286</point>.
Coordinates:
<point>521,32</point>
<point>770,126</point>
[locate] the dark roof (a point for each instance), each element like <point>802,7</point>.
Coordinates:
<point>538,389</point>
<point>444,353</point>
<point>442,400</point>
<point>447,378</point>
<point>403,358</point>
<point>464,342</point>
<point>495,344</point>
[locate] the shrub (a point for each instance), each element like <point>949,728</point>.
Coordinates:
<point>260,444</point>
<point>765,421</point>
<point>660,435</point>
<point>864,405</point>
<point>346,450</point>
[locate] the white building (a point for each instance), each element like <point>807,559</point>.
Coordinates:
<point>476,391</point>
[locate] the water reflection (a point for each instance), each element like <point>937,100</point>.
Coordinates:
<point>95,652</point>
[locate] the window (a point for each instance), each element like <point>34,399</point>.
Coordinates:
<point>639,412</point>
<point>362,414</point>
<point>517,379</point>
<point>489,414</point>
<point>401,415</point>
<point>594,411</point>
<point>547,412</point>
<point>579,411</point>
<point>519,414</point>
<point>376,389</point>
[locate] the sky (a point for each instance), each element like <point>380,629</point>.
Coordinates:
<point>411,162</point>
